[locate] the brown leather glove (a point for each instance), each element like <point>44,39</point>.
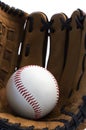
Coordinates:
<point>23,41</point>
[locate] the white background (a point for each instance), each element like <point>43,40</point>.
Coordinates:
<point>49,7</point>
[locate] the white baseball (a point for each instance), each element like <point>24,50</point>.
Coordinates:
<point>32,92</point>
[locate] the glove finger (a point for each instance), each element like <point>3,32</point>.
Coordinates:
<point>74,46</point>
<point>57,45</point>
<point>35,42</point>
<point>58,51</point>
<point>80,81</point>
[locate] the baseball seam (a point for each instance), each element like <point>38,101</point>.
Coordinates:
<point>55,81</point>
<point>26,94</point>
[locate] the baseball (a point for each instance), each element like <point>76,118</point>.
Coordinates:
<point>32,92</point>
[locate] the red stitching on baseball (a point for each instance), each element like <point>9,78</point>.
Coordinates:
<point>57,88</point>
<point>26,94</point>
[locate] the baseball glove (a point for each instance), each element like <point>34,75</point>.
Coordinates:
<point>23,41</point>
